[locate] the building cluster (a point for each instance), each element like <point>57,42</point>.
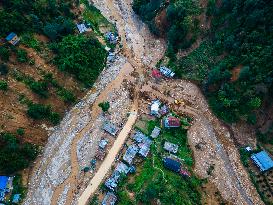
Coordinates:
<point>163,71</point>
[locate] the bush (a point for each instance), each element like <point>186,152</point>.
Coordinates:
<point>54,118</point>
<point>4,69</point>
<point>20,131</point>
<point>4,53</point>
<point>39,87</point>
<point>104,106</point>
<point>3,85</point>
<point>22,56</point>
<point>39,111</point>
<point>66,95</point>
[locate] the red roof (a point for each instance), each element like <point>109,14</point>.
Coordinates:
<point>156,73</point>
<point>173,122</point>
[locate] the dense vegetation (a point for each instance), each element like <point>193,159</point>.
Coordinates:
<point>15,155</point>
<point>240,38</point>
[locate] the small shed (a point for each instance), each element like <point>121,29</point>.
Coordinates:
<point>170,147</point>
<point>13,39</point>
<point>155,132</point>
<point>166,71</point>
<point>109,199</point>
<point>155,107</point>
<point>110,128</point>
<point>172,164</point>
<point>262,160</point>
<point>82,28</point>
<point>130,154</point>
<point>171,122</point>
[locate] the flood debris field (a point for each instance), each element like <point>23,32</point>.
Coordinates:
<point>58,177</point>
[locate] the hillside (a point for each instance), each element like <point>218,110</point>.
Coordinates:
<point>43,75</point>
<point>227,50</point>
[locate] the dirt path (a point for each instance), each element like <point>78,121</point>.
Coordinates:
<point>107,163</point>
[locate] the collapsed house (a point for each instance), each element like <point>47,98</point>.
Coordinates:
<point>111,37</point>
<point>262,160</point>
<point>130,154</point>
<point>170,147</point>
<point>110,128</point>
<point>103,143</point>
<point>109,199</point>
<point>100,154</point>
<point>155,132</point>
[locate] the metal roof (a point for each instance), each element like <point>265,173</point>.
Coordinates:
<point>262,160</point>
<point>172,164</point>
<point>130,154</point>
<point>3,182</point>
<point>10,36</point>
<point>171,147</point>
<point>109,199</point>
<point>155,132</point>
<point>82,28</point>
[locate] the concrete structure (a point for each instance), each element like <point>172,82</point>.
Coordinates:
<point>155,132</point>
<point>262,160</point>
<point>155,107</point>
<point>13,39</point>
<point>170,147</point>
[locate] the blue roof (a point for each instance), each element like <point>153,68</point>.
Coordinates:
<point>16,198</point>
<point>262,160</point>
<point>10,36</point>
<point>3,182</point>
<point>172,164</point>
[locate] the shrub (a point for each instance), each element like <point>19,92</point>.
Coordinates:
<point>66,95</point>
<point>22,56</point>
<point>20,131</point>
<point>4,53</point>
<point>104,106</point>
<point>3,85</point>
<point>39,87</point>
<point>54,118</point>
<point>39,111</point>
<point>4,69</point>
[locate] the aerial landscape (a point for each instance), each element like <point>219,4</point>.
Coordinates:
<point>135,102</point>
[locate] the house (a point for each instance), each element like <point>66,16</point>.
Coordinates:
<point>156,74</point>
<point>130,154</point>
<point>109,199</point>
<point>82,28</point>
<point>170,147</point>
<point>155,107</point>
<point>170,122</point>
<point>262,160</point>
<point>16,198</point>
<point>144,143</point>
<point>5,186</point>
<point>112,182</point>
<point>103,142</point>
<point>100,154</point>
<point>110,128</point>
<point>155,132</point>
<point>122,168</point>
<point>111,37</point>
<point>111,57</point>
<point>166,71</point>
<point>172,164</point>
<point>12,38</point>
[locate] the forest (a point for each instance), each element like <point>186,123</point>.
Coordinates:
<point>233,63</point>
<point>81,57</point>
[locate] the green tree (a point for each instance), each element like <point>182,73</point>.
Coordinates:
<point>104,106</point>
<point>22,56</point>
<point>3,85</point>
